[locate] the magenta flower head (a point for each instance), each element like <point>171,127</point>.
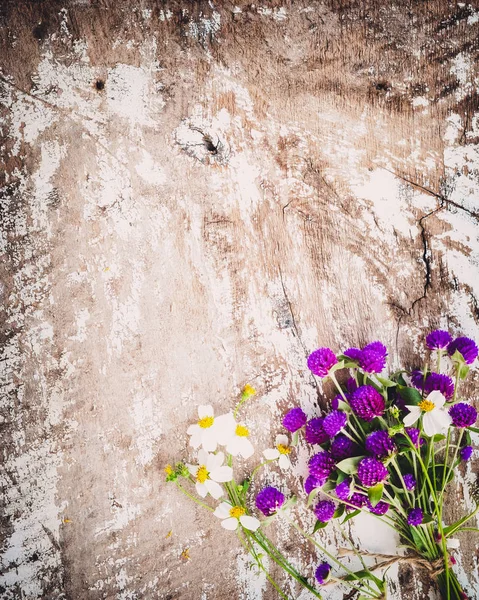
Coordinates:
<point>357,501</point>
<point>463,415</point>
<point>441,383</point>
<point>321,464</point>
<point>371,471</point>
<point>322,573</point>
<point>367,403</point>
<point>373,357</point>
<point>294,419</point>
<point>334,422</point>
<point>269,500</point>
<point>342,447</point>
<point>379,444</point>
<point>343,489</point>
<point>324,510</point>
<point>413,434</point>
<point>438,339</point>
<point>418,379</point>
<point>415,517</point>
<point>320,361</point>
<point>409,481</point>
<point>381,507</point>
<point>353,353</point>
<point>466,452</point>
<point>466,347</point>
<point>314,433</point>
<point>313,482</point>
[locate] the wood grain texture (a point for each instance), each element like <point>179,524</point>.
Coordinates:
<point>195,196</point>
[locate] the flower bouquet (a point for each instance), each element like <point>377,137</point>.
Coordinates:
<point>388,446</point>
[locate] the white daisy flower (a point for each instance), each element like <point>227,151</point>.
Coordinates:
<point>209,472</point>
<point>281,451</point>
<point>208,431</point>
<point>239,443</point>
<point>231,516</point>
<point>434,418</point>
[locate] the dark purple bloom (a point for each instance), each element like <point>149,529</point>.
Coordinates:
<point>441,383</point>
<point>381,507</point>
<point>417,379</point>
<point>322,573</point>
<point>371,471</point>
<point>321,465</point>
<point>314,433</point>
<point>415,517</point>
<point>409,481</point>
<point>373,357</point>
<point>438,339</point>
<point>335,401</point>
<point>351,385</point>
<point>357,500</point>
<point>269,500</point>
<point>379,444</point>
<point>343,489</point>
<point>353,353</point>
<point>294,419</point>
<point>320,361</point>
<point>466,347</point>
<point>313,482</point>
<point>466,452</point>
<point>334,422</point>
<point>463,415</point>
<point>367,403</point>
<point>413,435</point>
<point>342,447</point>
<point>324,510</point>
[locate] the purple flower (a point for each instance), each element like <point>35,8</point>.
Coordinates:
<point>313,482</point>
<point>367,403</point>
<point>321,465</point>
<point>441,383</point>
<point>466,347</point>
<point>466,452</point>
<point>294,419</point>
<point>371,471</point>
<point>379,444</point>
<point>409,481</point>
<point>334,422</point>
<point>269,500</point>
<point>381,507</point>
<point>438,339</point>
<point>324,510</point>
<point>357,500</point>
<point>320,361</point>
<point>342,447</point>
<point>351,385</point>
<point>373,357</point>
<point>322,573</point>
<point>353,353</point>
<point>343,489</point>
<point>413,434</point>
<point>314,433</point>
<point>463,415</point>
<point>415,517</point>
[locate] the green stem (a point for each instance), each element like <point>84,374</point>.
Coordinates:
<point>191,497</point>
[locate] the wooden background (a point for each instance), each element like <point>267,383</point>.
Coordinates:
<point>194,197</point>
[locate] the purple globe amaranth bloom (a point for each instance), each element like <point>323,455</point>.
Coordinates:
<point>466,347</point>
<point>371,471</point>
<point>381,507</point>
<point>438,339</point>
<point>418,379</point>
<point>441,383</point>
<point>324,510</point>
<point>343,489</point>
<point>334,422</point>
<point>314,433</point>
<point>466,452</point>
<point>413,434</point>
<point>357,500</point>
<point>463,415</point>
<point>373,357</point>
<point>409,481</point>
<point>322,573</point>
<point>379,444</point>
<point>415,517</point>
<point>353,353</point>
<point>367,403</point>
<point>342,447</point>
<point>321,464</point>
<point>269,500</point>
<point>294,419</point>
<point>313,482</point>
<point>321,361</point>
<point>351,385</point>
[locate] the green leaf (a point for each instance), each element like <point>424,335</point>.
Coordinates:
<point>339,511</point>
<point>312,496</point>
<point>387,383</point>
<point>344,406</point>
<point>290,502</point>
<point>295,438</point>
<point>339,365</point>
<point>409,395</point>
<point>438,437</point>
<point>319,525</point>
<point>266,522</point>
<point>473,429</point>
<point>417,539</point>
<point>463,370</point>
<point>426,520</point>
<point>365,574</point>
<point>350,516</point>
<point>458,357</point>
<point>375,493</point>
<point>328,486</point>
<point>350,465</point>
<point>341,477</point>
<point>451,529</point>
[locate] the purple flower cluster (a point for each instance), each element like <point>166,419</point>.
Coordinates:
<point>371,471</point>
<point>314,433</point>
<point>413,434</point>
<point>321,361</point>
<point>269,500</point>
<point>463,415</point>
<point>321,465</point>
<point>466,347</point>
<point>381,508</point>
<point>324,510</point>
<point>313,482</point>
<point>409,481</point>
<point>294,419</point>
<point>466,452</point>
<point>342,447</point>
<point>432,382</point>
<point>343,489</point>
<point>438,339</point>
<point>367,403</point>
<point>415,517</point>
<point>322,573</point>
<point>379,444</point>
<point>371,359</point>
<point>334,422</point>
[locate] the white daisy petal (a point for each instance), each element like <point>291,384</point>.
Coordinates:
<point>284,462</point>
<point>214,489</point>
<point>205,410</point>
<point>436,397</point>
<point>247,448</point>
<point>192,429</point>
<point>413,416</point>
<point>281,440</point>
<point>201,489</point>
<point>234,446</point>
<point>222,474</point>
<point>271,454</point>
<point>250,523</point>
<point>208,439</point>
<point>225,426</point>
<point>193,469</point>
<point>223,510</point>
<point>195,440</point>
<point>436,421</point>
<point>231,524</point>
<point>203,457</point>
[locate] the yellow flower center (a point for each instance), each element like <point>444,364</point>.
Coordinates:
<point>248,391</point>
<point>283,449</point>
<point>242,431</point>
<point>237,512</point>
<point>168,469</point>
<point>202,474</point>
<point>206,422</point>
<point>426,405</point>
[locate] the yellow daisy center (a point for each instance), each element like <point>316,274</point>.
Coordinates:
<point>237,512</point>
<point>426,405</point>
<point>242,431</point>
<point>248,391</point>
<point>283,449</point>
<point>168,469</point>
<point>202,474</point>
<point>206,422</point>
